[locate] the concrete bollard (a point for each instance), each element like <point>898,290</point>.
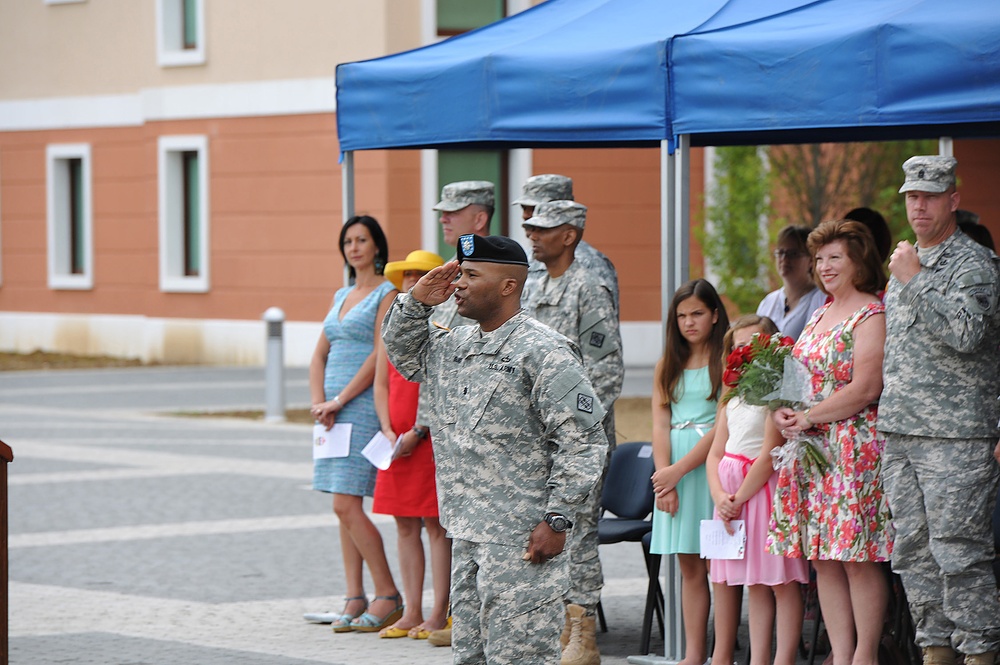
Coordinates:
<point>274,366</point>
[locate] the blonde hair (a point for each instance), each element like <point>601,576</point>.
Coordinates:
<point>766,325</point>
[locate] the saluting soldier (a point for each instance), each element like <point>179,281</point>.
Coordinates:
<point>519,446</point>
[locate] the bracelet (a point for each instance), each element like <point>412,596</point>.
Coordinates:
<point>805,414</point>
<point>421,432</point>
<point>336,400</point>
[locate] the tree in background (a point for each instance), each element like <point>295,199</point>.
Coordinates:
<point>757,191</point>
<point>820,181</point>
<point>734,237</point>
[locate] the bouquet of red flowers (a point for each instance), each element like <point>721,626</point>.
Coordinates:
<point>755,371</point>
<point>764,373</point>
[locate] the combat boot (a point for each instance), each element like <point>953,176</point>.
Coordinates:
<point>567,629</point>
<point>939,656</point>
<point>441,638</point>
<point>582,646</point>
<point>987,658</point>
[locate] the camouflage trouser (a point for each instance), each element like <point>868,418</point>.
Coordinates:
<point>505,610</point>
<point>942,493</point>
<point>585,576</point>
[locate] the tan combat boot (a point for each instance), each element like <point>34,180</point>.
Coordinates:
<point>567,629</point>
<point>987,658</point>
<point>441,638</point>
<point>939,656</point>
<point>582,646</point>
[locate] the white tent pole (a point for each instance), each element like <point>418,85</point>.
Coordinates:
<point>673,622</point>
<point>946,146</point>
<point>347,192</point>
<point>682,209</point>
<point>666,231</point>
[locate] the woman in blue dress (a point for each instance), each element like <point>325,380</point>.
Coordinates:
<point>340,383</point>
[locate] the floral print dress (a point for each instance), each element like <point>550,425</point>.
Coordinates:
<point>841,514</point>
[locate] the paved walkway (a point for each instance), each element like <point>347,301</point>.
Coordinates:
<point>139,537</point>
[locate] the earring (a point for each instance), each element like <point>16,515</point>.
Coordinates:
<point>379,264</point>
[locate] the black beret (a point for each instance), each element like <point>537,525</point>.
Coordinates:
<point>490,249</point>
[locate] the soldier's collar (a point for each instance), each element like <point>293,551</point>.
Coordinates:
<point>929,256</point>
<point>496,338</point>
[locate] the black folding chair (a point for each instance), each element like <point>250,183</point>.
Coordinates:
<point>628,495</point>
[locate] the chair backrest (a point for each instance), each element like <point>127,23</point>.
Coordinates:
<point>628,492</point>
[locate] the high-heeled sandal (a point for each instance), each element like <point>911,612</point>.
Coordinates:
<point>343,623</point>
<point>369,623</point>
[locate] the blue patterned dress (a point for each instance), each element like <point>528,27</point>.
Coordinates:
<point>351,342</point>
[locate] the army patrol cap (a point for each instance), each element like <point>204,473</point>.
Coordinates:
<point>490,249</point>
<point>556,213</point>
<point>929,173</point>
<point>457,195</point>
<point>543,188</point>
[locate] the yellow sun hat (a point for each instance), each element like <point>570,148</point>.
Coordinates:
<point>415,260</point>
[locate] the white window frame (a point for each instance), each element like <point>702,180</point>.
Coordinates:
<point>57,216</point>
<point>171,214</point>
<point>170,51</point>
<point>63,2</point>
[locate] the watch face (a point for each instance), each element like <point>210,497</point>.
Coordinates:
<point>557,522</point>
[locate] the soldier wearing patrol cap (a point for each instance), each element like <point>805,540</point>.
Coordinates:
<point>939,413</point>
<point>539,189</point>
<point>466,207</point>
<point>572,300</point>
<point>519,447</point>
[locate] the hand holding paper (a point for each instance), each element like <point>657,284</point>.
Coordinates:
<point>716,543</point>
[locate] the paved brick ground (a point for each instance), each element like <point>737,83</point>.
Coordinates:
<point>137,537</point>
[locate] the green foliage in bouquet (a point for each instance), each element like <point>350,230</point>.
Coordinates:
<point>754,372</point>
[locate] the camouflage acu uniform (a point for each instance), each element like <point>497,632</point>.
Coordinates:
<point>582,309</point>
<point>591,259</point>
<point>548,187</point>
<point>939,412</point>
<point>519,435</point>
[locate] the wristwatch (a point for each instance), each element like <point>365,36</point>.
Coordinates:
<point>421,432</point>
<point>557,522</point>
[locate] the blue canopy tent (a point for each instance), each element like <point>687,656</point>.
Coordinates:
<point>702,72</point>
<point>841,70</point>
<point>580,73</point>
<point>577,72</point>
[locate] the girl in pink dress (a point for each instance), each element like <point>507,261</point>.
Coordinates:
<point>742,482</point>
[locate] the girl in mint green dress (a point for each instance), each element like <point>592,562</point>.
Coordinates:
<point>687,386</point>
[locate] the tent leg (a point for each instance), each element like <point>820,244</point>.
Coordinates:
<point>667,282</point>
<point>347,185</point>
<point>347,195</point>
<point>682,209</point>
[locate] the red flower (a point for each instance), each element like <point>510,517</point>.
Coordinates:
<point>787,341</point>
<point>730,378</point>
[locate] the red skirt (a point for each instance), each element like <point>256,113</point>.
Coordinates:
<point>407,487</point>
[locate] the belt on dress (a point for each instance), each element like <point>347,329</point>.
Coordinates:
<point>745,464</point>
<point>701,428</point>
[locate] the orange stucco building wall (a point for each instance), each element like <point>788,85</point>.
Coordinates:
<point>275,210</point>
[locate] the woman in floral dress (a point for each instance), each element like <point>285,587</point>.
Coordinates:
<point>838,517</point>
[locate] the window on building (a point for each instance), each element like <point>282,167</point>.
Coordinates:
<point>491,165</point>
<point>455,17</point>
<point>183,212</point>
<point>180,32</point>
<point>69,218</point>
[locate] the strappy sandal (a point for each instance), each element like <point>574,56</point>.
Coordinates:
<point>369,623</point>
<point>343,623</point>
